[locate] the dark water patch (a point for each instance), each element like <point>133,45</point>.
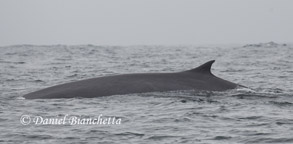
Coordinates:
<point>130,134</point>
<point>251,118</point>
<point>197,100</point>
<point>11,62</point>
<point>3,119</point>
<point>71,76</point>
<point>255,133</point>
<point>11,53</point>
<point>253,96</point>
<point>222,138</point>
<point>19,62</point>
<point>281,104</point>
<point>258,140</point>
<point>39,137</point>
<point>38,81</point>
<point>284,122</point>
<point>184,119</point>
<point>70,138</point>
<point>57,63</point>
<point>95,131</point>
<point>162,137</point>
<point>10,79</point>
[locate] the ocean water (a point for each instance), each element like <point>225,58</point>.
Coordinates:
<point>262,113</point>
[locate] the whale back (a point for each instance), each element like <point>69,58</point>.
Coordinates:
<point>199,78</point>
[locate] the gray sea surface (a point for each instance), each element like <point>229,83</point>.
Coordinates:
<point>262,113</point>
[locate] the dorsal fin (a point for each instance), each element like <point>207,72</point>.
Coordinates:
<point>204,68</point>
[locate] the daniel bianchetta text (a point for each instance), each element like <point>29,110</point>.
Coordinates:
<point>69,120</point>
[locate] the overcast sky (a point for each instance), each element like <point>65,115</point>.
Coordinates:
<point>132,22</point>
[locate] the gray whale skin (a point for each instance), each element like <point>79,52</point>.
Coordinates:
<point>199,78</point>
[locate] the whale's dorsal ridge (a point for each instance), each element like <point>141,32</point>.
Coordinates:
<point>197,79</point>
<point>204,68</point>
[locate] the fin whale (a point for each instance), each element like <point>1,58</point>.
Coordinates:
<point>199,78</point>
